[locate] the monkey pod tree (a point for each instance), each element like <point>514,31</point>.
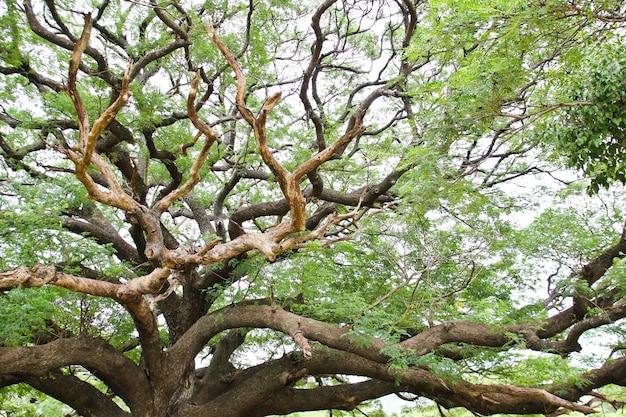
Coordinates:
<point>236,208</point>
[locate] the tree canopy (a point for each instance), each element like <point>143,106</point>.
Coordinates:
<point>251,208</point>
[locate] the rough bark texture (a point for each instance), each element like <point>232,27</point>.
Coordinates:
<point>172,285</point>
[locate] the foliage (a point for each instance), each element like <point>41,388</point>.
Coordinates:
<point>592,133</point>
<point>411,214</point>
<point>32,311</point>
<point>24,401</point>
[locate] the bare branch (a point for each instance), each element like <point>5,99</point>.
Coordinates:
<point>211,137</point>
<point>83,121</point>
<point>107,116</point>
<point>88,136</point>
<point>128,292</point>
<point>241,78</point>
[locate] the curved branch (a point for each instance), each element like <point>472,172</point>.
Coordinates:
<point>240,98</point>
<point>238,316</point>
<point>88,136</point>
<point>263,382</point>
<point>570,343</point>
<point>337,397</point>
<point>308,74</point>
<point>155,54</point>
<point>106,34</point>
<point>211,137</point>
<point>102,71</point>
<point>218,207</point>
<point>200,215</point>
<point>365,196</point>
<point>355,129</point>
<point>40,81</point>
<point>289,182</point>
<point>276,378</point>
<point>212,381</point>
<point>83,397</point>
<point>159,11</point>
<point>38,361</point>
<point>100,229</point>
<point>83,121</point>
<point>595,269</point>
<point>612,372</point>
<point>289,187</point>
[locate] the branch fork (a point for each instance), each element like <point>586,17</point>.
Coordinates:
<point>289,181</point>
<point>88,135</point>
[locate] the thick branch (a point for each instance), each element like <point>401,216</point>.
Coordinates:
<point>276,378</point>
<point>238,316</point>
<point>38,361</point>
<point>83,397</point>
<point>213,379</point>
<point>89,135</point>
<point>125,293</point>
<point>337,397</point>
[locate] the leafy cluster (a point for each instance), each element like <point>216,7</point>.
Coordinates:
<point>214,231</point>
<point>593,130</point>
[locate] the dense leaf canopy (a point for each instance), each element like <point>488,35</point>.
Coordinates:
<point>249,208</point>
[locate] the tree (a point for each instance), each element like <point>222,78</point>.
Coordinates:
<point>233,208</point>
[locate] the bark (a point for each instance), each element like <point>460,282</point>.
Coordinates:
<point>35,363</point>
<point>92,223</point>
<point>83,397</point>
<point>339,397</point>
<point>175,298</point>
<point>367,359</point>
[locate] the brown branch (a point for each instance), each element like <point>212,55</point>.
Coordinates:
<point>213,379</point>
<point>276,377</point>
<point>88,136</point>
<point>495,398</point>
<point>160,12</point>
<point>155,54</point>
<point>281,173</point>
<point>69,44</point>
<point>125,293</point>
<point>337,397</point>
<point>308,74</point>
<point>95,225</point>
<point>242,316</point>
<point>288,184</point>
<point>107,116</point>
<point>83,397</point>
<point>79,48</point>
<point>40,81</point>
<point>211,137</point>
<point>19,154</point>
<point>240,99</point>
<point>318,159</point>
<point>38,361</point>
<point>260,384</point>
<point>147,284</point>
